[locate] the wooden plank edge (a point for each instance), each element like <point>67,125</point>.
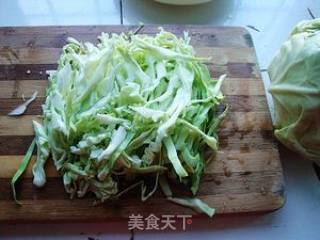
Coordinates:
<point>235,121</point>
<point>150,28</point>
<point>19,88</point>
<point>227,163</point>
<point>236,103</point>
<point>78,210</point>
<point>243,141</point>
<point>38,71</point>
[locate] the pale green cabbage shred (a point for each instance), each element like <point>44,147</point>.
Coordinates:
<point>295,88</point>
<point>130,106</point>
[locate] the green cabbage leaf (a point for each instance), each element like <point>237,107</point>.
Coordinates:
<point>295,88</point>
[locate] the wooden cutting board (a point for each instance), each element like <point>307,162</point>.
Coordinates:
<point>246,176</point>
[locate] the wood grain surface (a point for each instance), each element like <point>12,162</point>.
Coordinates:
<point>245,177</point>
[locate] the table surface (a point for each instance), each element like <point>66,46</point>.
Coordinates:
<point>273,19</point>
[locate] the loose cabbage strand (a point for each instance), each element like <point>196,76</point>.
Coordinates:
<point>22,167</point>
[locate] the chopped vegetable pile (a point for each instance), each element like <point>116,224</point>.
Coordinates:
<point>129,107</point>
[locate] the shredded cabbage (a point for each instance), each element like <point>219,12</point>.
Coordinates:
<point>129,106</point>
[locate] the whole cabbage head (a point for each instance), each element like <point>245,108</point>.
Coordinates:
<point>295,88</point>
